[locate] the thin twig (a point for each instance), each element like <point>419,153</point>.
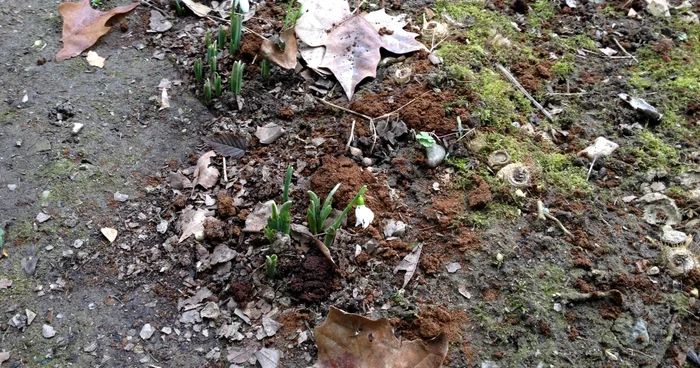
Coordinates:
<point>623,50</point>
<point>515,82</point>
<point>225,173</point>
<point>591,168</point>
<point>561,226</point>
<point>566,94</point>
<point>351,137</point>
<point>344,109</point>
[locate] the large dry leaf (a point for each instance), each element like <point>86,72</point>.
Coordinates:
<point>83,26</point>
<point>286,59</point>
<point>197,8</point>
<point>351,340</point>
<point>205,175</point>
<point>351,41</point>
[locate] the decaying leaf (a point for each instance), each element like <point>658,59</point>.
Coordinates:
<point>83,26</point>
<point>197,8</point>
<point>206,175</point>
<point>286,59</point>
<point>303,231</point>
<point>351,340</point>
<point>192,221</point>
<point>268,358</point>
<point>95,60</point>
<point>351,41</point>
<point>409,264</point>
<point>600,148</point>
<point>5,283</point>
<point>227,144</point>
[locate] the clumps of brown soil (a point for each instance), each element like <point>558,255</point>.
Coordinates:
<point>224,205</point>
<point>445,207</point>
<point>426,112</point>
<point>480,196</point>
<point>214,229</point>
<point>466,240</point>
<point>312,280</point>
<point>430,264</point>
<point>241,291</point>
<point>583,286</point>
<point>432,322</point>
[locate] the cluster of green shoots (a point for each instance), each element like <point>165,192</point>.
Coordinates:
<point>95,3</point>
<point>212,84</point>
<point>179,10</point>
<point>316,216</point>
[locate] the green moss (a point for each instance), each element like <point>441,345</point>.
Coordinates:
<point>651,152</point>
<point>542,11</point>
<point>580,41</point>
<point>562,68</point>
<point>500,103</point>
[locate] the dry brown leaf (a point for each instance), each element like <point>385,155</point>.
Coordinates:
<point>286,59</point>
<point>206,175</point>
<point>351,340</point>
<point>409,264</point>
<point>197,8</point>
<point>351,41</point>
<point>83,26</point>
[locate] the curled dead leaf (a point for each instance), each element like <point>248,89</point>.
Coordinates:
<point>350,340</point>
<point>83,26</point>
<point>286,58</point>
<point>206,175</point>
<point>197,8</point>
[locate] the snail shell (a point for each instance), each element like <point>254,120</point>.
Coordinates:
<point>678,261</point>
<point>499,158</point>
<point>515,174</point>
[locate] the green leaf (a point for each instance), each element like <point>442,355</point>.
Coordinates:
<point>287,183</point>
<point>425,139</point>
<point>311,218</point>
<point>2,238</point>
<point>329,199</point>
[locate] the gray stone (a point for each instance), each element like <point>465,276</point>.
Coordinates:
<point>47,331</point>
<point>146,331</point>
<point>435,154</point>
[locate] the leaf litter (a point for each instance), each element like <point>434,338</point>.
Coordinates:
<point>348,43</point>
<point>350,340</point>
<point>83,26</point>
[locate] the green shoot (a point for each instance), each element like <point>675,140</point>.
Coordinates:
<point>236,79</point>
<point>317,215</point>
<point>179,10</point>
<point>221,40</point>
<point>271,266</point>
<point>207,39</point>
<point>198,71</point>
<point>207,92</point>
<point>287,184</point>
<point>95,3</point>
<point>265,69</point>
<point>425,139</point>
<point>217,85</point>
<point>211,51</point>
<point>291,17</point>
<point>281,218</point>
<point>236,28</point>
<point>212,64</point>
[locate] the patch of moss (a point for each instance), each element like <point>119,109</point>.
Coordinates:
<point>580,41</point>
<point>542,11</point>
<point>562,68</point>
<point>651,152</point>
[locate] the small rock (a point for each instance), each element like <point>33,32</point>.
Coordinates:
<point>673,237</point>
<point>119,197</point>
<point>146,331</point>
<point>42,217</point>
<point>11,187</point>
<point>129,347</point>
<point>435,154</point>
<point>394,228</point>
<point>355,151</point>
<point>694,293</point>
<point>434,59</point>
<point>77,243</point>
<point>47,331</point>
<point>109,233</point>
<point>77,127</point>
<point>657,186</point>
<point>557,307</point>
<point>453,267</point>
<point>211,311</point>
<point>166,330</point>
<point>162,226</point>
<point>90,347</point>
<point>653,271</point>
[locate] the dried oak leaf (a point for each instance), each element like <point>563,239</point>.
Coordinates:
<point>351,41</point>
<point>192,221</point>
<point>83,26</point>
<point>206,175</point>
<point>351,340</point>
<point>286,58</point>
